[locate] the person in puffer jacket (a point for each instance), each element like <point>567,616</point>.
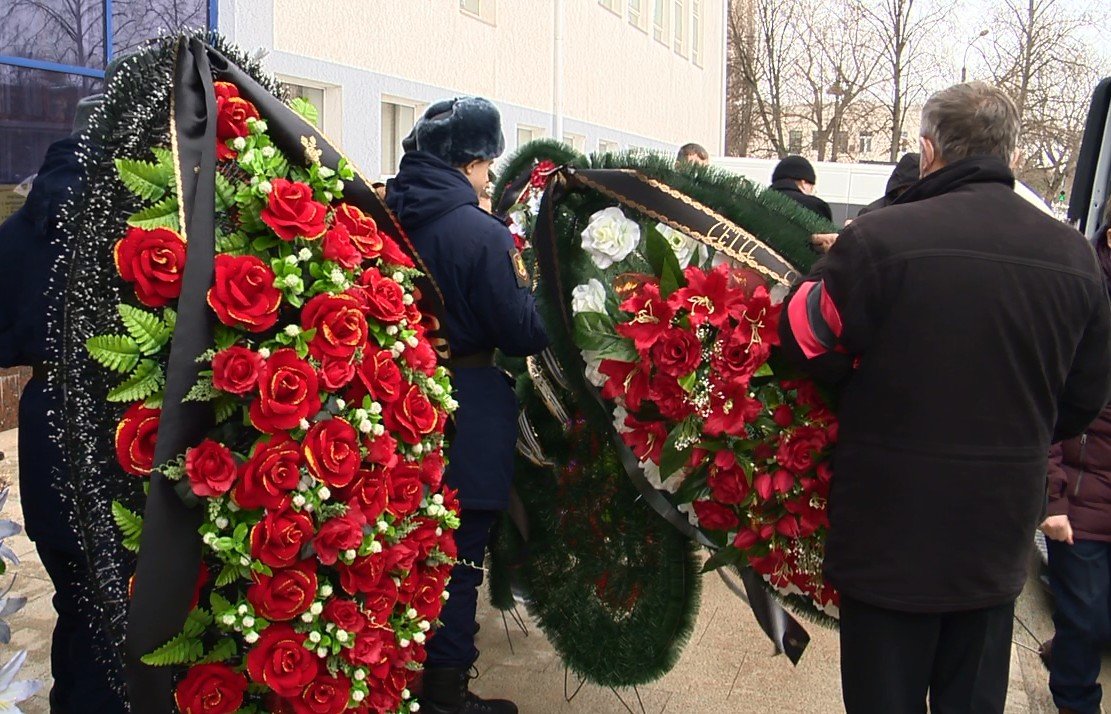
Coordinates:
<point>1078,536</point>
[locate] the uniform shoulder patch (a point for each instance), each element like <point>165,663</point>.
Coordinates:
<point>517,261</point>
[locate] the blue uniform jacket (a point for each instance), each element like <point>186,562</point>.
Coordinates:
<point>470,254</point>
<point>29,245</point>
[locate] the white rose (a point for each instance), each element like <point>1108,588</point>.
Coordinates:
<point>593,361</point>
<point>681,245</point>
<point>589,297</point>
<point>610,237</point>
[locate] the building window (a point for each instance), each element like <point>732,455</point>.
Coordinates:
<point>794,143</point>
<point>613,6</point>
<point>865,143</point>
<point>679,25</point>
<point>525,134</point>
<point>397,121</point>
<point>576,142</point>
<point>696,32</point>
<point>482,9</point>
<point>659,20</point>
<point>637,15</point>
<point>608,147</point>
<point>312,95</point>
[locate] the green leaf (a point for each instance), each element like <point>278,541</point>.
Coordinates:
<point>154,401</point>
<point>225,193</point>
<point>225,407</point>
<point>674,458</point>
<point>165,159</point>
<point>232,243</point>
<point>222,651</point>
<point>147,329</point>
<point>129,523</point>
<point>688,382</point>
<point>306,109</point>
<point>160,215</point>
<point>181,649</point>
<point>169,317</point>
<point>202,391</point>
<point>146,180</point>
<point>147,379</point>
<point>118,353</point>
<point>218,602</point>
<point>663,261</point>
<point>225,336</point>
<point>263,244</point>
<point>721,558</point>
<point>595,331</point>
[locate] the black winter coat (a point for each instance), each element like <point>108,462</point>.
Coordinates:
<point>790,189</point>
<point>980,332</point>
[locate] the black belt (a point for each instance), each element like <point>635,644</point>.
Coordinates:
<point>472,361</point>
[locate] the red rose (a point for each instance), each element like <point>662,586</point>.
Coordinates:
<point>715,517</point>
<point>385,297</point>
<point>362,575</point>
<point>423,538</point>
<point>232,112</point>
<point>345,614</point>
<point>335,374</point>
<point>373,646</point>
<point>324,695</point>
<point>728,485</point>
<point>291,211</point>
<point>211,468</point>
<point>746,538</point>
<point>332,452</point>
<point>762,484</point>
<point>800,449</point>
<point>406,489</point>
<point>278,539</point>
<point>210,689</point>
<point>285,594</point>
<point>432,469</point>
<point>738,357</point>
<point>361,228</point>
<point>338,534</point>
<point>381,600</point>
<point>379,376</point>
<point>673,401</point>
<point>421,358</point>
<point>236,370</point>
<point>288,393</point>
<point>413,417</point>
<point>382,450</point>
<point>272,472</point>
<point>427,598</point>
<point>243,293</point>
<point>373,494</point>
<point>340,326</point>
<point>393,254</point>
<point>339,248</point>
<point>153,260</point>
<point>135,438</point>
<point>400,557</point>
<point>783,416</point>
<point>677,353</point>
<point>280,661</point>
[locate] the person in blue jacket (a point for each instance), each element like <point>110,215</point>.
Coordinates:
<point>30,242</point>
<point>489,306</point>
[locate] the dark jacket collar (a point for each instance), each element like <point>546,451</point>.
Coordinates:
<point>785,185</point>
<point>974,169</point>
<point>1103,252</point>
<point>426,188</point>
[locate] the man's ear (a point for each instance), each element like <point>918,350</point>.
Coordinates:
<point>927,153</point>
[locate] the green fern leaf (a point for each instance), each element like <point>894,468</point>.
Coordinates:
<point>226,407</point>
<point>149,331</point>
<point>169,317</point>
<point>306,109</point>
<point>118,353</point>
<point>181,649</point>
<point>129,523</point>
<point>160,215</point>
<point>147,379</point>
<point>202,391</point>
<point>165,159</point>
<point>219,603</point>
<point>225,193</point>
<point>232,243</point>
<point>196,622</point>
<point>154,401</point>
<point>145,180</point>
<point>227,576</point>
<point>224,650</point>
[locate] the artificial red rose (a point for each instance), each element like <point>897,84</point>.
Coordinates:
<point>677,352</point>
<point>278,539</point>
<point>243,293</point>
<point>332,453</point>
<point>285,594</point>
<point>671,399</point>
<point>421,358</point>
<point>362,229</point>
<point>372,646</point>
<point>406,489</point>
<point>382,450</point>
<point>235,370</point>
<point>232,112</point>
<point>385,298</point>
<point>288,393</point>
<point>645,438</point>
<point>335,374</point>
<point>782,481</point>
<point>381,600</point>
<point>400,557</point>
<point>746,538</point>
<point>210,468</point>
<point>292,212</point>
<point>345,614</point>
<point>738,357</point>
<point>361,575</point>
<point>800,449</point>
<point>783,416</point>
<point>393,254</point>
<point>340,326</point>
<point>762,484</point>
<point>715,517</point>
<point>651,317</point>
<point>225,90</point>
<point>787,526</point>
<point>412,416</point>
<point>432,469</point>
<point>427,598</point>
<point>324,695</point>
<point>423,537</point>
<point>210,689</point>
<point>153,260</point>
<point>728,485</point>
<point>379,376</point>
<point>135,438</point>
<point>339,534</point>
<point>270,474</point>
<point>280,661</point>
<point>338,247</point>
<point>373,495</point>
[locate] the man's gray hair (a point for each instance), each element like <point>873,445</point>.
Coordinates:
<point>971,119</point>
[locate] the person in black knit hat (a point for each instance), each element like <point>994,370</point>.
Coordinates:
<point>489,306</point>
<point>794,177</point>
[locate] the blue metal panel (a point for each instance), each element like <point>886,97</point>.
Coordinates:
<point>213,14</point>
<point>109,36</point>
<point>52,66</point>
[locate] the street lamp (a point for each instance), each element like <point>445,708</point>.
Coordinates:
<point>964,60</point>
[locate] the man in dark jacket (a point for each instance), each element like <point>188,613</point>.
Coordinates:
<point>489,307</point>
<point>904,175</point>
<point>794,177</point>
<point>30,242</point>
<point>967,331</point>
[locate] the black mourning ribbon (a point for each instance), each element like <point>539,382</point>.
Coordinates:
<point>632,191</point>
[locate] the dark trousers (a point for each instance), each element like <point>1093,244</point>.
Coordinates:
<point>1080,577</point>
<point>892,662</point>
<point>452,646</point>
<point>81,681</point>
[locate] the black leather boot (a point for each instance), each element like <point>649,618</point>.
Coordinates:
<point>445,691</point>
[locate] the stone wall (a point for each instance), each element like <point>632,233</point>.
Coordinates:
<point>12,382</point>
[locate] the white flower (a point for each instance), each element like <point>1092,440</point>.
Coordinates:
<point>248,621</point>
<point>304,424</point>
<point>414,707</point>
<point>291,260</point>
<point>375,408</point>
<point>221,522</point>
<point>251,637</point>
<point>326,590</point>
<point>438,499</point>
<point>411,613</point>
<point>298,500</point>
<point>425,626</point>
<point>242,610</point>
<point>391,330</point>
<point>383,526</point>
<point>316,608</point>
<point>239,143</point>
<point>360,675</point>
<point>418,449</point>
<point>681,245</point>
<point>314,637</point>
<point>248,157</point>
<point>339,185</point>
<point>325,493</point>
<point>325,172</point>
<point>304,254</point>
<point>350,554</point>
<point>404,642</point>
<point>228,619</point>
<point>264,352</point>
<point>407,299</point>
<point>292,330</point>
<point>337,276</point>
<point>610,237</point>
<point>419,638</point>
<point>259,126</point>
<point>375,547</point>
<point>341,404</point>
<point>589,297</point>
<point>306,617</point>
<point>358,695</point>
<point>322,652</point>
<point>267,152</point>
<point>290,281</point>
<point>398,276</point>
<point>365,426</point>
<point>379,430</point>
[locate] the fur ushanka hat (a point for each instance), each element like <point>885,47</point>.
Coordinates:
<point>459,131</point>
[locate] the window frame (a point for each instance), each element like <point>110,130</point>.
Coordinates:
<point>659,24</point>
<point>395,101</point>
